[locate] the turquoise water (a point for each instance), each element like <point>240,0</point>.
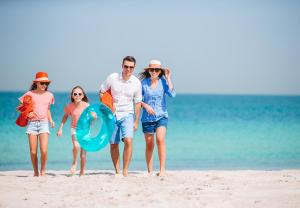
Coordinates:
<point>205,132</point>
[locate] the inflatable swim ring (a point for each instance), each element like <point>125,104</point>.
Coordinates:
<point>83,127</point>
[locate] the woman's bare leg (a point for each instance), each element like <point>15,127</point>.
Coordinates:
<point>149,138</point>
<point>161,148</point>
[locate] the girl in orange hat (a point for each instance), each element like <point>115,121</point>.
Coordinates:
<point>38,120</point>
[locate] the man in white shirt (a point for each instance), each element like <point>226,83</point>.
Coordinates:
<point>126,91</point>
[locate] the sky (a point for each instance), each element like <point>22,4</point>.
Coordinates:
<point>211,47</point>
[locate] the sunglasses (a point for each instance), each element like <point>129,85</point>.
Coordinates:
<point>44,83</point>
<point>154,69</point>
<point>126,67</point>
<point>75,94</point>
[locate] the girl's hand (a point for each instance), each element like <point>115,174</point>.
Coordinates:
<point>59,133</point>
<point>149,109</point>
<point>30,115</point>
<point>52,124</point>
<point>167,73</point>
<point>94,115</point>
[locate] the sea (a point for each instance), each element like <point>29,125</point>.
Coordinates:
<point>205,132</point>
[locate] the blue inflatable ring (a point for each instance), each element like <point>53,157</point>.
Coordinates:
<point>83,135</point>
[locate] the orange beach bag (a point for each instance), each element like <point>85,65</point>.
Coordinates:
<point>107,99</point>
<point>24,108</point>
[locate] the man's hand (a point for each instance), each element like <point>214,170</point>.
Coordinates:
<point>135,125</point>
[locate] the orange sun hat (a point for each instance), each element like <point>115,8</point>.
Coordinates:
<point>41,77</point>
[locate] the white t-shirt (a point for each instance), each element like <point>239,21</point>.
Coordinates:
<point>124,93</point>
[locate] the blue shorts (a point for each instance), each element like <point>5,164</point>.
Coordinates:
<point>37,127</point>
<point>123,129</point>
<point>150,127</point>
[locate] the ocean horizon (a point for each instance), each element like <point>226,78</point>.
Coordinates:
<point>205,132</point>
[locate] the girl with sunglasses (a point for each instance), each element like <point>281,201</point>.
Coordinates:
<point>156,84</point>
<point>38,120</point>
<point>79,102</point>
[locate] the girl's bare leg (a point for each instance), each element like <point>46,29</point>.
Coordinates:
<point>82,161</point>
<point>33,143</point>
<point>44,151</point>
<point>76,147</point>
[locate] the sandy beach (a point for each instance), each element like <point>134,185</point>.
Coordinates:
<point>176,189</point>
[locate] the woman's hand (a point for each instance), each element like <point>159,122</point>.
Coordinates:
<point>167,73</point>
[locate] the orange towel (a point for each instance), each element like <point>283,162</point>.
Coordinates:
<point>24,108</point>
<point>107,99</point>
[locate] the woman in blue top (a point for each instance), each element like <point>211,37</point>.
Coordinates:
<point>156,84</point>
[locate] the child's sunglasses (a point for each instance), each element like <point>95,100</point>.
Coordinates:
<point>45,83</point>
<point>77,94</point>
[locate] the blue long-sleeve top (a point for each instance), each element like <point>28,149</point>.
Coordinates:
<point>156,98</point>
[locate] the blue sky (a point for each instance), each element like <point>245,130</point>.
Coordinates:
<point>212,47</point>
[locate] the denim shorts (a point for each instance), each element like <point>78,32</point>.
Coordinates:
<point>150,127</point>
<point>123,129</point>
<point>37,127</point>
<point>73,134</point>
<point>73,131</point>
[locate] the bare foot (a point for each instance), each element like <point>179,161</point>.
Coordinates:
<point>43,173</point>
<point>161,173</point>
<point>149,174</point>
<point>125,173</point>
<point>118,175</point>
<point>81,173</point>
<point>73,168</point>
<point>36,174</point>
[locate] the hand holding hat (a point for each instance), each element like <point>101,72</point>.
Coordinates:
<point>167,73</point>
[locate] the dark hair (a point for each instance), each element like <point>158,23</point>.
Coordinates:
<point>34,86</point>
<point>130,59</point>
<point>146,74</point>
<point>84,95</point>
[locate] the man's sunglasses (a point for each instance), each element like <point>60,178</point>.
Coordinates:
<point>126,67</point>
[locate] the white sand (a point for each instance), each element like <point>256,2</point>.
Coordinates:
<point>220,189</point>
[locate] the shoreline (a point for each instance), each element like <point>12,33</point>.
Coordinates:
<point>188,188</point>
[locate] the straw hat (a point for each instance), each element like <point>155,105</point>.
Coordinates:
<point>154,64</point>
<point>41,77</point>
